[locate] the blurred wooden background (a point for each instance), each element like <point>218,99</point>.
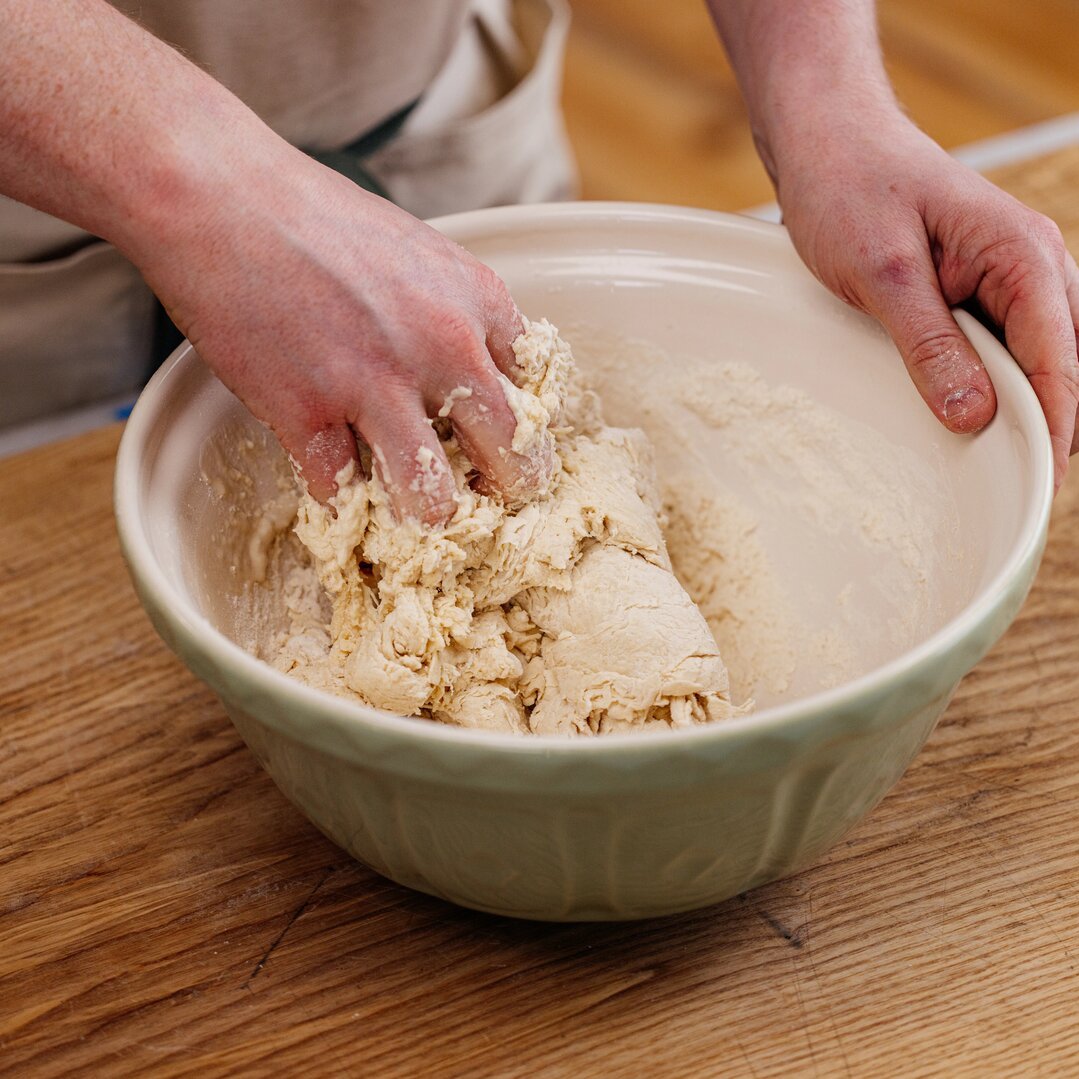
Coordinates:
<point>654,113</point>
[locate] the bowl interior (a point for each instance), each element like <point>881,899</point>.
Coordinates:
<point>835,566</point>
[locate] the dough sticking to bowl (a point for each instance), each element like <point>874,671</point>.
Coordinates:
<point>561,616</point>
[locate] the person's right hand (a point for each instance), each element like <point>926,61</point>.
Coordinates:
<point>329,312</point>
<point>336,316</point>
<point>896,227</point>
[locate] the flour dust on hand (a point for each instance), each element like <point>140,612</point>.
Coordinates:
<point>557,616</point>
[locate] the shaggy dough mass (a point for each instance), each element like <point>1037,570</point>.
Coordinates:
<point>560,616</point>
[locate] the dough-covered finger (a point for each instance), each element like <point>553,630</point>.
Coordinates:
<point>320,456</point>
<point>409,459</point>
<point>905,295</point>
<point>510,450</point>
<point>503,324</point>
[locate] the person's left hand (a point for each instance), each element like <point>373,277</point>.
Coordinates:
<point>894,226</point>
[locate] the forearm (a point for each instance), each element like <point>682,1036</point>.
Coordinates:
<point>892,224</point>
<point>810,71</point>
<point>107,127</point>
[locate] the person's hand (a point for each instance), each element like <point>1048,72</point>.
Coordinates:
<point>894,226</point>
<point>336,316</point>
<point>329,312</point>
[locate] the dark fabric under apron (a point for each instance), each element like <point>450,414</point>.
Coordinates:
<point>349,160</point>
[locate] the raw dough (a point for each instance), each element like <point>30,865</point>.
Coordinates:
<point>561,616</point>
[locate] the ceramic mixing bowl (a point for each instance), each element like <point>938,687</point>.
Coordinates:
<point>619,826</point>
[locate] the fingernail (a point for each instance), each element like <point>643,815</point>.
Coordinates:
<point>961,403</point>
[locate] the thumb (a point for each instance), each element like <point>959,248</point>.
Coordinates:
<point>905,296</point>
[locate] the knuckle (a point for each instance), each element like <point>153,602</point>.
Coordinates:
<point>1010,261</point>
<point>1046,233</point>
<point>895,268</point>
<point>498,306</point>
<point>1011,278</point>
<point>488,283</point>
<point>1062,383</point>
<point>1068,377</point>
<point>457,338</point>
<point>1017,257</point>
<point>932,351</point>
<point>385,391</point>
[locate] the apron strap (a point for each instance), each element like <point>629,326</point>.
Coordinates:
<point>349,160</point>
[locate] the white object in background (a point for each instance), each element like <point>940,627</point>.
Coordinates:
<point>75,421</point>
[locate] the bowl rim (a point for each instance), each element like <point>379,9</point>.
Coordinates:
<point>179,612</point>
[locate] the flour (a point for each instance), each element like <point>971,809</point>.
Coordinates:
<point>804,539</point>
<point>558,616</point>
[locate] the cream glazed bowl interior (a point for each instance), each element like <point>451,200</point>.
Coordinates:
<point>629,826</point>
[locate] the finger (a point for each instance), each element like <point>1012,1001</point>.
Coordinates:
<point>321,456</point>
<point>905,295</point>
<point>1073,306</point>
<point>409,459</point>
<point>486,427</point>
<point>504,324</point>
<point>1040,334</point>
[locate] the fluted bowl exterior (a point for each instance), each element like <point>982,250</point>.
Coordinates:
<point>613,827</point>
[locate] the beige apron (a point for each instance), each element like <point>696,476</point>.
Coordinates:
<point>76,319</point>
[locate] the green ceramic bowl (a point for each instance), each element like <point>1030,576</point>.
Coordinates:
<point>618,826</point>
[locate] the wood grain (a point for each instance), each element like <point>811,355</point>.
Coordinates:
<point>654,113</point>
<point>164,911</point>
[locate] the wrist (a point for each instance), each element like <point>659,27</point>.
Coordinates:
<point>197,173</point>
<point>811,73</point>
<point>802,136</point>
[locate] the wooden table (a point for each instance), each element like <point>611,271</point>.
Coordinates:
<point>163,910</point>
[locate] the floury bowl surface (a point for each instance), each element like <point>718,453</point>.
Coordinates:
<point>626,826</point>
